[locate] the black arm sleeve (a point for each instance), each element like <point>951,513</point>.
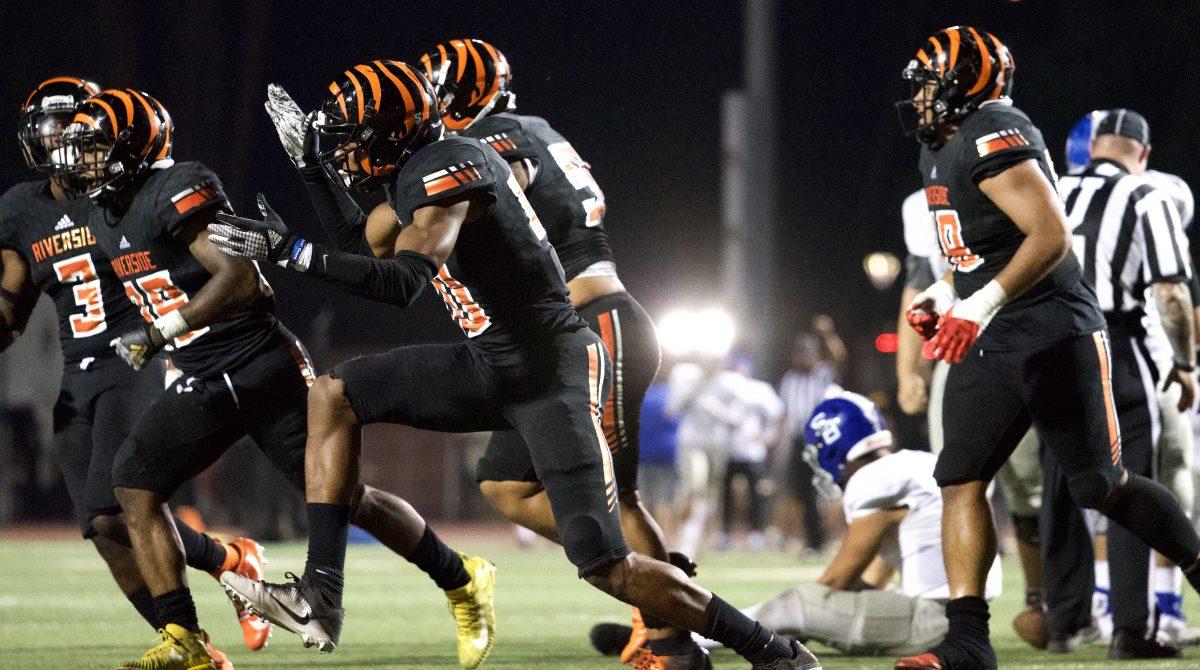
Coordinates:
<point>338,213</point>
<point>395,281</point>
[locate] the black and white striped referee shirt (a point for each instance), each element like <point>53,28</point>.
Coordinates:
<point>1126,233</point>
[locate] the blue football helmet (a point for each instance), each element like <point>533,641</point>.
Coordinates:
<point>841,429</point>
<point>1079,140</point>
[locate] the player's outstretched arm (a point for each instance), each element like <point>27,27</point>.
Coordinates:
<point>18,295</point>
<point>1028,198</point>
<point>420,249</point>
<point>864,537</point>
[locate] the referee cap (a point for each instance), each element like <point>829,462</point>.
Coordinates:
<point>1126,123</point>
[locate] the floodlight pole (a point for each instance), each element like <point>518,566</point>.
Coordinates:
<point>748,187</point>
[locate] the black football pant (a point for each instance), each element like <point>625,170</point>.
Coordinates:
<point>97,408</point>
<point>551,393</point>
<point>1135,379</point>
<point>196,420</point>
<point>629,337</point>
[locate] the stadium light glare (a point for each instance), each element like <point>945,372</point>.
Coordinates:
<point>882,268</point>
<point>707,332</point>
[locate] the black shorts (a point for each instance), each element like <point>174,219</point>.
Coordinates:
<point>552,395</point>
<point>195,420</point>
<point>1064,388</point>
<point>632,343</point>
<point>96,410</point>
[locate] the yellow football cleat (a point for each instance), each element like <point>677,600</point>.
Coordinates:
<point>180,649</point>
<point>473,607</point>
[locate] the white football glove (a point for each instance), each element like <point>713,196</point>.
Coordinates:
<point>295,130</point>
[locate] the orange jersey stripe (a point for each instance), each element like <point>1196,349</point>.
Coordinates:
<point>1110,410</point>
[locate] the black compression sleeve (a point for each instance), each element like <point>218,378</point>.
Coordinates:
<point>395,281</point>
<point>338,213</point>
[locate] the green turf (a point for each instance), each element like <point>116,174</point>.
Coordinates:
<point>59,609</point>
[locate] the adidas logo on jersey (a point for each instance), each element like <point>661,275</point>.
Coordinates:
<point>124,243</point>
<point>64,223</point>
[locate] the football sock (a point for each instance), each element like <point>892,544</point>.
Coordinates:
<point>723,623</point>
<point>966,643</point>
<point>1168,591</point>
<point>1149,511</point>
<point>328,528</point>
<point>199,550</point>
<point>143,602</point>
<point>678,644</point>
<point>439,561</point>
<point>177,607</point>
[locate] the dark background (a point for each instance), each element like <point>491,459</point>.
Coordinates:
<point>636,87</point>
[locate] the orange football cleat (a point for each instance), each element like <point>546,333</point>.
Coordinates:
<point>926,661</point>
<point>245,557</point>
<point>637,638</point>
<point>219,658</point>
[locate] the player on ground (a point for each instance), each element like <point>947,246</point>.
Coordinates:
<point>893,510</point>
<point>990,187</point>
<point>529,363</point>
<point>244,373</point>
<point>46,244</point>
<point>570,204</point>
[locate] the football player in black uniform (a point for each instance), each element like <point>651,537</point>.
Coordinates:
<point>560,186</point>
<point>528,363</point>
<point>46,243</point>
<point>1027,339</point>
<point>243,372</point>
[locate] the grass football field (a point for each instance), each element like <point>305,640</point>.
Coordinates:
<point>60,610</point>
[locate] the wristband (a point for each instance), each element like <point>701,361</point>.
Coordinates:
<point>172,325</point>
<point>1185,366</point>
<point>300,257</point>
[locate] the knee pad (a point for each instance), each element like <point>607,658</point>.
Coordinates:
<point>1093,490</point>
<point>589,546</point>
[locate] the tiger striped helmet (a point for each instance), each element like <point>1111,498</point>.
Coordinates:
<point>953,73</point>
<point>114,138</point>
<point>44,114</point>
<point>472,79</point>
<point>372,119</point>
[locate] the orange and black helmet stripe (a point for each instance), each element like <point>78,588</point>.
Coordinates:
<point>86,88</point>
<point>127,108</point>
<point>469,75</point>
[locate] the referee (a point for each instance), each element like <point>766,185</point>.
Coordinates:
<point>1130,242</point>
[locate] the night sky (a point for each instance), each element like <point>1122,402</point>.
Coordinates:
<point>636,88</point>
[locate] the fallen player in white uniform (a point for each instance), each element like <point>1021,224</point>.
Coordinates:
<point>894,511</point>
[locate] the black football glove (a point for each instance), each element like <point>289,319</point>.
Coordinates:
<point>266,240</point>
<point>139,345</point>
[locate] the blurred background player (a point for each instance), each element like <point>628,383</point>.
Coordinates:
<point>814,371</point>
<point>1001,225</point>
<point>1173,462</point>
<point>921,389</point>
<point>243,372</point>
<point>757,427</point>
<point>47,244</point>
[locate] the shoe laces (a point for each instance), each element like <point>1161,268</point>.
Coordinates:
<point>645,659</point>
<point>159,656</point>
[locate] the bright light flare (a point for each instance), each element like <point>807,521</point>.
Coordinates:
<point>882,268</point>
<point>707,332</point>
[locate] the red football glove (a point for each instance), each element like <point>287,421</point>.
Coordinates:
<point>960,327</point>
<point>928,307</point>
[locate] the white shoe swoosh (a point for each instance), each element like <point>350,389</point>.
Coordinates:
<point>481,640</point>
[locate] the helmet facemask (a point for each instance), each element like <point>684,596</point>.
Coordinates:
<point>925,112</point>
<point>87,164</point>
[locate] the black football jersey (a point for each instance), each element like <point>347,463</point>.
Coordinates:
<point>159,273</point>
<point>503,282</point>
<point>55,241</point>
<point>978,239</point>
<point>562,192</point>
